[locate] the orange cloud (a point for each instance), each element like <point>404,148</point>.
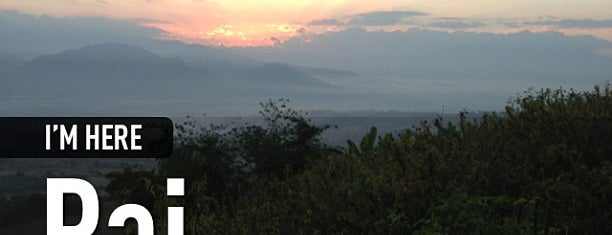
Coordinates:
<point>256,22</point>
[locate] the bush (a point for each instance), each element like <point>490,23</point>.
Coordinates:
<point>541,167</point>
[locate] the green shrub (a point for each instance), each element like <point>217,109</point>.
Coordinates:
<point>541,167</point>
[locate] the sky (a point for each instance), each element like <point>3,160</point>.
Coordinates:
<point>243,23</point>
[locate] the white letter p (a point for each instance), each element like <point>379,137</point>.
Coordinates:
<point>56,188</point>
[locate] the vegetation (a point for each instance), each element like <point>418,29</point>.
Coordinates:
<point>541,167</point>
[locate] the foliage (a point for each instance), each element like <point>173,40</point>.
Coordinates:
<point>541,167</point>
<point>21,209</point>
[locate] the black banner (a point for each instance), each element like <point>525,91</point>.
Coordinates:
<point>90,137</point>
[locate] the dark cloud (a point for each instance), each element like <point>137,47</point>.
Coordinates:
<point>546,57</point>
<point>381,18</point>
<point>276,41</point>
<point>509,24</point>
<point>450,18</point>
<point>456,24</point>
<point>574,23</point>
<point>467,63</point>
<point>325,22</point>
<point>27,35</point>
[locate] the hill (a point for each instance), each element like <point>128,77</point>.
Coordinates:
<point>109,61</point>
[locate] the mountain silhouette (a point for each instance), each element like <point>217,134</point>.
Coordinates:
<point>8,62</point>
<point>279,74</point>
<point>109,61</point>
<point>215,59</point>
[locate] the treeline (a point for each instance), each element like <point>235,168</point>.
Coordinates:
<point>541,167</point>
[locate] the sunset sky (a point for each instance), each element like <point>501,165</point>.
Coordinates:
<point>268,22</point>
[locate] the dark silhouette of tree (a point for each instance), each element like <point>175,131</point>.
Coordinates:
<point>541,167</point>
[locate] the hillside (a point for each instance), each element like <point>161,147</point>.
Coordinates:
<point>109,61</point>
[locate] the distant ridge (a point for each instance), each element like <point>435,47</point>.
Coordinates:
<point>282,75</point>
<point>109,61</point>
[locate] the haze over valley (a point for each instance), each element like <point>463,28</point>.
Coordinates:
<point>113,67</point>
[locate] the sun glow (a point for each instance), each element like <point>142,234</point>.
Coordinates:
<point>269,22</point>
<point>230,35</point>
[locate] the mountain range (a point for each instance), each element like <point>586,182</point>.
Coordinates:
<point>414,70</point>
<point>117,74</point>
